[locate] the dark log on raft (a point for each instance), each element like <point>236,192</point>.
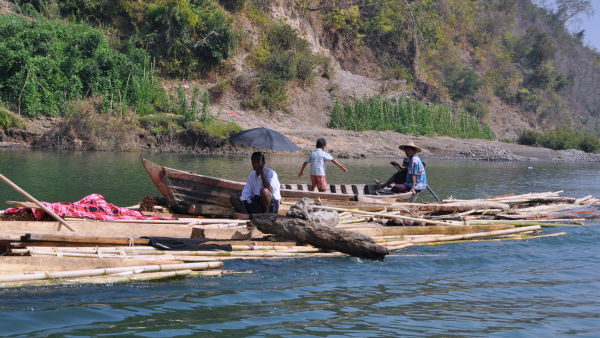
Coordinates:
<point>322,237</point>
<point>209,209</point>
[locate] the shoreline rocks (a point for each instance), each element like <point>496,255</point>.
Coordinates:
<point>489,153</point>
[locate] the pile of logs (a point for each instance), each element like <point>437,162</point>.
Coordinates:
<point>541,208</point>
<point>37,253</point>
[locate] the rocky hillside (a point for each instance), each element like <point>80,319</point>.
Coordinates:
<point>171,67</point>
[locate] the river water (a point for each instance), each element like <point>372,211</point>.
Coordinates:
<point>547,286</point>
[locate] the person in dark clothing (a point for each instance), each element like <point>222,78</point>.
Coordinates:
<point>411,175</point>
<point>399,177</point>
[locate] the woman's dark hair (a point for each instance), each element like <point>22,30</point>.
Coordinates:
<point>258,155</point>
<point>321,143</point>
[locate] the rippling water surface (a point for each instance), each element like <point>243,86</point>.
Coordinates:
<point>546,286</point>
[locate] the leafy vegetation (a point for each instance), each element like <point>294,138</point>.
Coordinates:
<point>470,50</point>
<point>116,56</point>
<point>216,128</point>
<point>561,139</point>
<point>183,36</point>
<point>281,57</point>
<point>187,36</point>
<point>9,119</point>
<point>406,116</point>
<point>48,63</point>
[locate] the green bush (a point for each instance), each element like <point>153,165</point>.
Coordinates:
<point>48,63</point>
<point>281,57</point>
<point>463,83</point>
<point>163,124</point>
<point>273,91</point>
<point>476,108</point>
<point>589,143</point>
<point>528,137</point>
<point>215,128</point>
<point>560,139</point>
<point>406,116</point>
<point>546,77</point>
<point>233,5</point>
<point>188,36</point>
<point>543,49</point>
<point>183,35</point>
<point>528,100</point>
<point>9,119</point>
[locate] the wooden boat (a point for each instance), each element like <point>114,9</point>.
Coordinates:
<point>182,188</point>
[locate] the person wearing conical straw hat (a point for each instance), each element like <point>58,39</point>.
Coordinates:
<point>416,179</point>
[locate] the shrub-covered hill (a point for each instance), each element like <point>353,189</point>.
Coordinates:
<point>167,66</point>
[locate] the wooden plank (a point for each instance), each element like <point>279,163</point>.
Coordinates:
<point>11,235</point>
<point>100,229</point>
<point>27,264</point>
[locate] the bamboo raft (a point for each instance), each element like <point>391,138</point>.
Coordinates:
<point>40,253</point>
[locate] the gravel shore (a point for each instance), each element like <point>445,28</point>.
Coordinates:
<point>366,144</point>
<point>345,143</point>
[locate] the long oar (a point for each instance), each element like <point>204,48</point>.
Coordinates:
<point>31,198</point>
<point>434,195</point>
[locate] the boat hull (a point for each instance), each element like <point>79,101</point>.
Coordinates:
<point>182,188</point>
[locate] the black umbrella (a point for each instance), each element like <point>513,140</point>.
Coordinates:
<point>264,138</point>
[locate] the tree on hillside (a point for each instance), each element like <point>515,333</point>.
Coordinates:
<point>572,9</point>
<point>568,12</point>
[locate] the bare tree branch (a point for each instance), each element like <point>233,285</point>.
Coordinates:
<point>204,40</point>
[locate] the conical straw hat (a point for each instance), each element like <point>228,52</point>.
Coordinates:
<point>410,145</point>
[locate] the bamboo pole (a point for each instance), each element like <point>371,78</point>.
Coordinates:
<point>380,214</point>
<point>514,238</point>
<point>155,251</point>
<point>541,222</point>
<point>217,255</point>
<point>34,200</point>
<point>182,221</point>
<point>463,236</point>
<point>108,271</point>
<point>134,277</point>
<point>402,246</point>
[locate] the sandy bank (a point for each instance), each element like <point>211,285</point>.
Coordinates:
<point>341,143</point>
<point>344,143</point>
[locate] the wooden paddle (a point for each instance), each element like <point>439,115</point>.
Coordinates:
<point>31,198</point>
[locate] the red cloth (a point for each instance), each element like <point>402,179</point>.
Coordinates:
<point>93,206</point>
